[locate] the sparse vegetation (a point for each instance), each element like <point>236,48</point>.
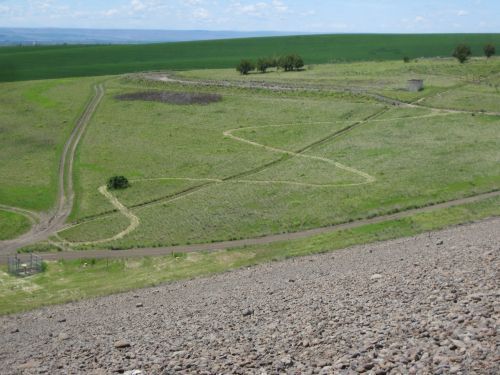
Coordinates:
<point>172,97</point>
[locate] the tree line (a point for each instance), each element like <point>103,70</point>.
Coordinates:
<point>287,62</point>
<point>463,52</point>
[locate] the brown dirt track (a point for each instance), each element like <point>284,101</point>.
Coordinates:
<point>162,251</point>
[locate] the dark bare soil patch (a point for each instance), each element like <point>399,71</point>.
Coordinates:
<point>181,98</point>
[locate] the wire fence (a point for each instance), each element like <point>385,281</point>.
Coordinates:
<point>25,266</point>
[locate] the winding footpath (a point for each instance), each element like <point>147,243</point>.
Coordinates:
<point>50,223</point>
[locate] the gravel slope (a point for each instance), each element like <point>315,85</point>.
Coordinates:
<point>428,304</point>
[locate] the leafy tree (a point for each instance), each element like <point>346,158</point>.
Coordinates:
<point>298,62</point>
<point>118,182</point>
<point>273,62</point>
<point>462,53</point>
<point>245,66</point>
<point>290,62</point>
<point>285,63</point>
<point>263,64</point>
<point>489,50</point>
<point>406,59</point>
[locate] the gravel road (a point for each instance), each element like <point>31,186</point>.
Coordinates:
<point>427,304</point>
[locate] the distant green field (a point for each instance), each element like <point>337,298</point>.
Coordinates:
<point>27,63</point>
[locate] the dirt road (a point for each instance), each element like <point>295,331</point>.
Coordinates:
<point>49,223</point>
<point>162,251</point>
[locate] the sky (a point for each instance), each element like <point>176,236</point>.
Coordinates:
<point>334,16</point>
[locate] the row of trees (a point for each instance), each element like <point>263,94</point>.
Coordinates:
<point>463,52</point>
<point>288,63</point>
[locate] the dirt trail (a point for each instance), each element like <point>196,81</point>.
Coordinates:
<point>134,220</point>
<point>49,223</point>
<point>162,251</point>
<point>56,221</point>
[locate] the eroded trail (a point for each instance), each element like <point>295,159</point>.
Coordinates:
<point>51,222</point>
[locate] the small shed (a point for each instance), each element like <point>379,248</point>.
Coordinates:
<point>415,85</point>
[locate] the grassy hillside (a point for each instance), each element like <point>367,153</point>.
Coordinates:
<point>26,63</point>
<point>12,225</point>
<point>36,118</point>
<point>67,281</point>
<point>416,156</point>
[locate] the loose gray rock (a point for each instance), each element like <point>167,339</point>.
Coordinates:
<point>248,312</point>
<point>426,312</point>
<point>121,344</point>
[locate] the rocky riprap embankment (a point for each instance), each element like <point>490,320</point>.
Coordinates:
<point>428,304</point>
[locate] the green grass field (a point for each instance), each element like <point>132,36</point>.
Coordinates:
<point>67,281</point>
<point>35,121</point>
<point>414,156</point>
<point>258,162</point>
<point>399,159</point>
<point>28,63</point>
<point>12,225</point>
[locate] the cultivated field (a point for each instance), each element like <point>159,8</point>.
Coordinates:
<point>25,63</point>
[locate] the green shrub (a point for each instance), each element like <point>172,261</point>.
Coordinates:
<point>489,50</point>
<point>462,53</point>
<point>290,62</point>
<point>118,182</point>
<point>245,66</point>
<point>263,64</point>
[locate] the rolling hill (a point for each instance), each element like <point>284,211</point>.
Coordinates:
<point>29,63</point>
